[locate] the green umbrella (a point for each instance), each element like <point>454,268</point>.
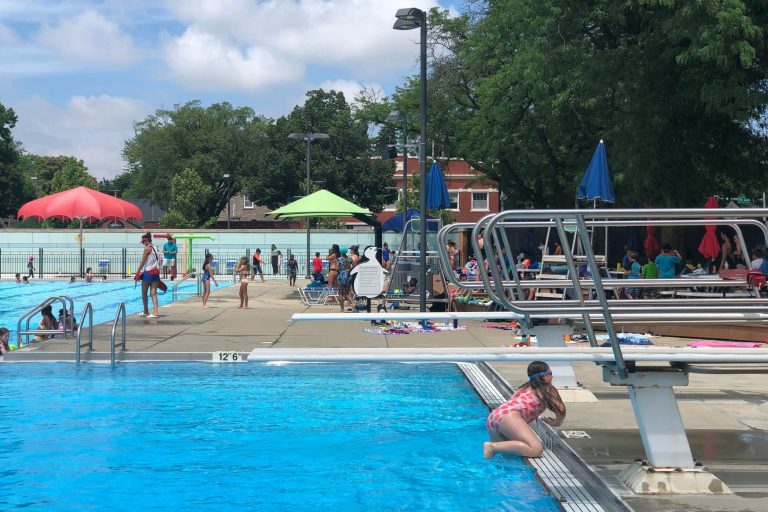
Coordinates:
<point>320,204</point>
<point>327,204</point>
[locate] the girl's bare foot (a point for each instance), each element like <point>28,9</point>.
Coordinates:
<point>488,450</point>
<point>206,307</point>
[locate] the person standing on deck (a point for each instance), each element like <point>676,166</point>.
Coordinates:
<point>667,262</point>
<point>207,278</point>
<point>149,274</point>
<point>274,259</point>
<point>256,267</point>
<point>293,267</point>
<point>243,269</point>
<point>169,257</point>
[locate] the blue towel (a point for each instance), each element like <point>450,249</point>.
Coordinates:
<point>629,339</point>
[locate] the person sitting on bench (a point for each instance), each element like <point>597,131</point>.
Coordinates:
<point>410,287</point>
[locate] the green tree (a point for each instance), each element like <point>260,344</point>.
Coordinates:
<point>342,163</point>
<point>210,142</point>
<point>14,189</point>
<point>190,195</point>
<point>43,169</point>
<point>676,89</point>
<point>72,174</point>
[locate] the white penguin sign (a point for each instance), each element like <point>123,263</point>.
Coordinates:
<point>370,276</point>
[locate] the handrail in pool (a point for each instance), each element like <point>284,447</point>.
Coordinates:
<point>119,316</point>
<point>87,310</point>
<point>175,290</point>
<point>37,309</point>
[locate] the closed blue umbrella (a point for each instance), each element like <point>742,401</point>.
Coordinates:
<point>596,183</point>
<point>437,192</point>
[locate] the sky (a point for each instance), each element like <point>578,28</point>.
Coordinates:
<point>80,73</point>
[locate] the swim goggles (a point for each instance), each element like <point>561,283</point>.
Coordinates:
<point>539,374</point>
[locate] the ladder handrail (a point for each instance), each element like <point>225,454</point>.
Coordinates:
<point>505,287</point>
<point>120,315</point>
<point>174,291</point>
<point>88,309</point>
<point>26,317</point>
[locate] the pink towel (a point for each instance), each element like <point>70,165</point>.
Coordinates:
<point>740,344</point>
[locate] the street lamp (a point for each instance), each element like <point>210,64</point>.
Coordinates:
<point>397,115</point>
<point>407,19</point>
<point>229,198</point>
<point>309,137</point>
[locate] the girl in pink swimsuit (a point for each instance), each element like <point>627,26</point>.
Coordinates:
<point>508,424</point>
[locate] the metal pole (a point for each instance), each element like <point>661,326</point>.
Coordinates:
<point>309,258</point>
<point>405,171</point>
<point>229,199</point>
<point>423,169</point>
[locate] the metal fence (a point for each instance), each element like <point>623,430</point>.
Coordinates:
<point>123,263</point>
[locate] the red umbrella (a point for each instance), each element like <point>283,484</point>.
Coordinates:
<point>651,245</point>
<point>80,203</point>
<point>709,247</point>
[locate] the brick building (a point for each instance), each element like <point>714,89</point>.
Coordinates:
<point>473,196</point>
<point>244,214</point>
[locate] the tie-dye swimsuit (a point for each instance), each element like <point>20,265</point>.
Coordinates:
<point>524,401</point>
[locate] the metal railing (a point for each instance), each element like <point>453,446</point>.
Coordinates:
<point>68,308</point>
<point>119,317</point>
<point>87,313</point>
<point>591,301</point>
<point>118,263</point>
<point>175,290</point>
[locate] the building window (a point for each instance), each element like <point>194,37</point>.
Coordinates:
<point>454,200</point>
<point>480,200</point>
<point>247,203</point>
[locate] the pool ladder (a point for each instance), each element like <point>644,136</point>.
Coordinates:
<point>175,291</point>
<point>119,318</point>
<point>69,309</point>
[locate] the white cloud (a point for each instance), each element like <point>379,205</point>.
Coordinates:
<point>350,88</point>
<point>350,34</point>
<point>200,60</point>
<point>88,37</point>
<point>7,35</point>
<point>91,128</point>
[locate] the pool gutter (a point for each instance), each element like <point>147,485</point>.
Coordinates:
<point>564,474</point>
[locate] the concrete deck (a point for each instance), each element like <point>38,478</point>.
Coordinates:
<point>726,416</point>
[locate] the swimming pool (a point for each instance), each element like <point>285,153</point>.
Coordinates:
<point>16,299</point>
<point>194,436</point>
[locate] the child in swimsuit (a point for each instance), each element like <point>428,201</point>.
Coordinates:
<point>207,278</point>
<point>243,269</point>
<point>508,425</point>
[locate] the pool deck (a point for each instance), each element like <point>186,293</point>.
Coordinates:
<point>726,416</point>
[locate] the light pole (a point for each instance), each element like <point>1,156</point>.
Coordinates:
<point>394,116</point>
<point>407,19</point>
<point>309,137</point>
<point>229,198</point>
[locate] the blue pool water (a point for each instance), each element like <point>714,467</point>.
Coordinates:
<point>16,299</point>
<point>193,436</point>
